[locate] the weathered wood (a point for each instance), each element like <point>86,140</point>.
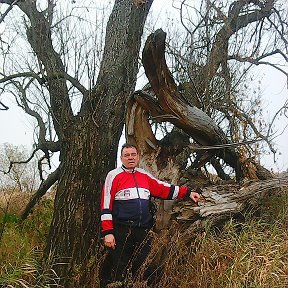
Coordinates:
<point>221,202</point>
<point>43,188</point>
<point>155,156</point>
<point>168,104</point>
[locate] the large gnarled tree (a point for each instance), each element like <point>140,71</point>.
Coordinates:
<point>88,138</point>
<point>88,141</point>
<point>207,104</point>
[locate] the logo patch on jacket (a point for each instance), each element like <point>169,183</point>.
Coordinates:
<point>126,193</point>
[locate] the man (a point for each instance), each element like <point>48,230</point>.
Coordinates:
<point>125,212</point>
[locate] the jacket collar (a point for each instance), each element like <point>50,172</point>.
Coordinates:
<point>128,170</point>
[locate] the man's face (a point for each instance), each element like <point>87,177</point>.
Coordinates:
<point>129,157</point>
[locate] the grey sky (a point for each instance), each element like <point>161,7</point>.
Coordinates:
<point>17,127</point>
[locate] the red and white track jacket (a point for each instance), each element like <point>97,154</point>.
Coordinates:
<point>126,195</point>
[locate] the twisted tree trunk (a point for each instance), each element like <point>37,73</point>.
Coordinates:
<point>220,203</point>
<point>167,104</point>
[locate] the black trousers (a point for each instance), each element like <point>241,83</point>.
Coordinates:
<point>133,245</point>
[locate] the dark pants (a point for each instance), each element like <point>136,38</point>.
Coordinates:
<point>132,248</point>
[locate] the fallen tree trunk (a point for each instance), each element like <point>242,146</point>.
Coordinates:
<point>222,202</point>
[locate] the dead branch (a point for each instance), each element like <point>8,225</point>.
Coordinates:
<point>21,162</point>
<point>190,119</point>
<point>11,4</point>
<point>4,107</point>
<point>44,187</point>
<point>44,146</point>
<point>20,75</point>
<point>221,202</point>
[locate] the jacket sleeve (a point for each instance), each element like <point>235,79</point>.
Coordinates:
<point>107,206</point>
<point>165,190</point>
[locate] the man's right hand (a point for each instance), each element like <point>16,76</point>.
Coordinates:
<point>109,241</point>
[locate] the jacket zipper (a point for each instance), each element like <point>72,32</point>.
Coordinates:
<point>140,204</point>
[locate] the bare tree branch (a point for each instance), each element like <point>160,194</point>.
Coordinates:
<point>281,32</point>
<point>39,37</point>
<point>242,115</point>
<point>257,60</point>
<point>4,107</point>
<point>29,74</point>
<point>194,147</point>
<point>44,187</point>
<point>283,108</point>
<point>52,76</point>
<point>44,146</point>
<point>20,162</point>
<point>232,24</point>
<point>24,104</point>
<point>11,3</point>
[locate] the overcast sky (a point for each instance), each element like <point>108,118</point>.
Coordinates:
<point>17,127</point>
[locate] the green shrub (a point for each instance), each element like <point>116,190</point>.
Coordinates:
<point>9,218</point>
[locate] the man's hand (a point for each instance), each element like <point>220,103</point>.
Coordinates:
<point>194,196</point>
<point>109,241</point>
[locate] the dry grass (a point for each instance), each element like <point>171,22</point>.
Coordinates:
<point>13,202</point>
<point>251,254</point>
<point>21,244</point>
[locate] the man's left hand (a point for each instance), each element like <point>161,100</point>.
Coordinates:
<point>195,196</point>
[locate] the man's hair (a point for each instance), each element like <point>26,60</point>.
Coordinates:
<point>127,145</point>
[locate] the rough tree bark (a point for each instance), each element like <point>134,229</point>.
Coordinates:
<point>89,140</point>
